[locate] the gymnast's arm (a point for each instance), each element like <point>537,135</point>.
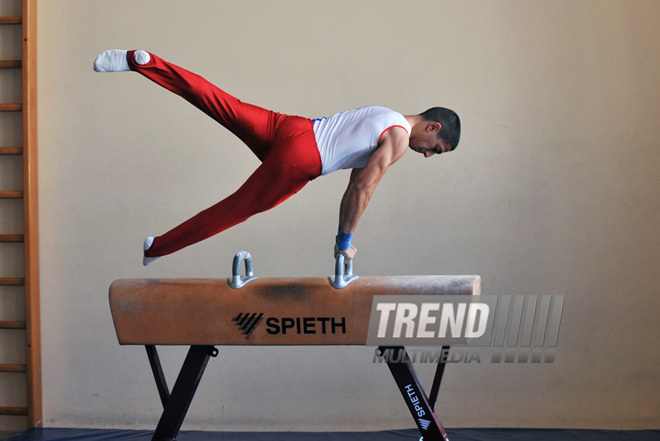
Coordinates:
<point>363,181</point>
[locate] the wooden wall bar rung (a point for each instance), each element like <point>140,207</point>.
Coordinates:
<point>12,324</point>
<point>11,107</point>
<point>12,281</point>
<point>11,150</point>
<point>11,194</point>
<point>10,64</point>
<point>11,20</point>
<point>13,368</point>
<point>15,238</point>
<point>13,411</point>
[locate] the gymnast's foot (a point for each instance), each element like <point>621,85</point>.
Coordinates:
<point>146,261</point>
<point>114,60</point>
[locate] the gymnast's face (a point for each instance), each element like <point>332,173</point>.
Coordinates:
<point>426,141</point>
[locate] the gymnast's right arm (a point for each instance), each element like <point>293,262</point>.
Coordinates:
<point>363,182</point>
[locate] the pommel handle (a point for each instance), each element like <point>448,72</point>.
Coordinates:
<point>343,273</point>
<point>238,281</point>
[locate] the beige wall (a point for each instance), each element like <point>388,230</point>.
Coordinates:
<point>554,190</point>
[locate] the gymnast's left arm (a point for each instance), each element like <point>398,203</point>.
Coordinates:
<point>363,182</point>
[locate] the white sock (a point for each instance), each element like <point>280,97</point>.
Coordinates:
<point>146,261</point>
<point>113,60</point>
<point>142,57</point>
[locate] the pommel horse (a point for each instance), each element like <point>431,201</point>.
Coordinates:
<point>246,310</point>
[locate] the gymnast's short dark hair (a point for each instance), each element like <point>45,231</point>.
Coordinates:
<point>451,124</point>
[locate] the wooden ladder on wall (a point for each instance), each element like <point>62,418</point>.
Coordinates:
<point>20,347</point>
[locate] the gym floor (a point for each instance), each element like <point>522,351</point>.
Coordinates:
<point>62,434</point>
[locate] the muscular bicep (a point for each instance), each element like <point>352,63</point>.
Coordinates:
<point>364,180</point>
<point>392,146</point>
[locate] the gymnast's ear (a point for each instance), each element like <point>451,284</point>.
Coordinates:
<point>433,126</point>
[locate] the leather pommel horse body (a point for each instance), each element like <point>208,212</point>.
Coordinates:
<point>203,313</point>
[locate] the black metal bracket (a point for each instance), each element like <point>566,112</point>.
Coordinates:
<point>421,406</point>
<point>437,378</point>
<point>157,369</point>
<point>176,403</point>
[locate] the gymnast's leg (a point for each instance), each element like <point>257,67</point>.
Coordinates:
<point>252,124</point>
<point>285,144</point>
<point>289,166</point>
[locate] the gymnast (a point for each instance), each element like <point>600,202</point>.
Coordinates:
<point>293,150</point>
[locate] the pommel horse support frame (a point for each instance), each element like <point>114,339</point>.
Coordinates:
<point>203,313</point>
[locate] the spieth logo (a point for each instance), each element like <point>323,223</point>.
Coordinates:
<point>247,322</point>
<point>424,423</point>
<point>416,403</point>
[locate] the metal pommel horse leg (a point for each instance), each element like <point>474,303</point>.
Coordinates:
<point>177,404</point>
<point>420,405</point>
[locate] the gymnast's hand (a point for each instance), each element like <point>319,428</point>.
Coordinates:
<point>349,254</point>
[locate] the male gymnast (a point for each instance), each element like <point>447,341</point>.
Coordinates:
<point>293,150</point>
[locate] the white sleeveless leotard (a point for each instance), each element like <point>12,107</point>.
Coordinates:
<point>348,139</point>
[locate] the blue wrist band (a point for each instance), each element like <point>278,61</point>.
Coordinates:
<point>344,240</point>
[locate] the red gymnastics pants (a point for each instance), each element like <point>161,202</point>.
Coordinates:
<point>285,144</point>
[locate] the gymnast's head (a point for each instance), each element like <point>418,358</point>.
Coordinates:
<point>436,131</point>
